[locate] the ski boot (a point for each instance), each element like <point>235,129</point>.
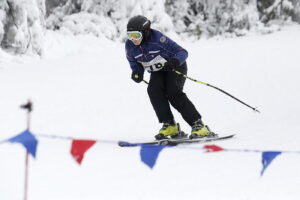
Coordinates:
<point>171,129</point>
<point>199,130</point>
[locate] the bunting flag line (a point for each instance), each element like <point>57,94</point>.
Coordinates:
<point>28,140</point>
<point>79,147</point>
<point>149,154</point>
<point>213,148</point>
<point>267,158</point>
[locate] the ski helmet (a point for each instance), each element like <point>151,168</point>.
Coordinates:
<point>139,23</point>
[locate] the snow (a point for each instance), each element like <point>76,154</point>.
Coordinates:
<point>81,87</point>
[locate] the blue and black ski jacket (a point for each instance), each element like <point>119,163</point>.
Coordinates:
<point>153,52</point>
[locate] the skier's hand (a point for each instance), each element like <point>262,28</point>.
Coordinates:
<point>137,76</point>
<point>171,64</point>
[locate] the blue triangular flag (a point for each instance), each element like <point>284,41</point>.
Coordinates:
<point>28,140</point>
<point>150,153</point>
<point>267,158</point>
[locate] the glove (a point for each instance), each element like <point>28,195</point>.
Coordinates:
<point>137,76</point>
<point>172,64</point>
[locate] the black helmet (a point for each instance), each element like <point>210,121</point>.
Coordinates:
<point>139,23</point>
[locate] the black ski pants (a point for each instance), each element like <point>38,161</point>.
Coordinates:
<point>166,88</point>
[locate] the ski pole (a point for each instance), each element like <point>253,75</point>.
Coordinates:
<point>207,84</point>
<point>145,82</point>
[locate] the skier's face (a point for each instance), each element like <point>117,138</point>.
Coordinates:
<point>137,42</point>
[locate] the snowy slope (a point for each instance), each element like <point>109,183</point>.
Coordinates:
<point>82,88</point>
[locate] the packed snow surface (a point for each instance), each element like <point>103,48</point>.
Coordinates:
<point>81,88</point>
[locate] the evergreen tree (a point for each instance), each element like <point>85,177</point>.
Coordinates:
<point>22,22</point>
<point>21,27</point>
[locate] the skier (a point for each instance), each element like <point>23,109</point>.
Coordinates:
<point>148,49</point>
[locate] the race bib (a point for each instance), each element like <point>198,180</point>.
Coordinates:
<point>155,64</point>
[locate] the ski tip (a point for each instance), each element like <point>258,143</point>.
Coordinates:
<point>230,136</point>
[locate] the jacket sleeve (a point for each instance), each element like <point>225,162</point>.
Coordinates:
<point>180,53</point>
<point>134,65</point>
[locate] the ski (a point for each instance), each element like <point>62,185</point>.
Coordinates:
<point>172,142</point>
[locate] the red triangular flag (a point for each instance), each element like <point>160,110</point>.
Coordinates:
<point>212,148</point>
<point>79,147</point>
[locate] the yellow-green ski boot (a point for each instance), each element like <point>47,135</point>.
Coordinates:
<point>200,130</point>
<point>168,129</point>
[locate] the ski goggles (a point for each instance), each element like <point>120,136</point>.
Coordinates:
<point>134,35</point>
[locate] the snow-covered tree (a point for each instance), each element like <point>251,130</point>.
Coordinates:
<point>296,13</point>
<point>278,9</point>
<point>3,16</point>
<point>22,22</point>
<point>106,18</point>
<point>21,25</point>
<point>52,4</point>
<point>212,17</point>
